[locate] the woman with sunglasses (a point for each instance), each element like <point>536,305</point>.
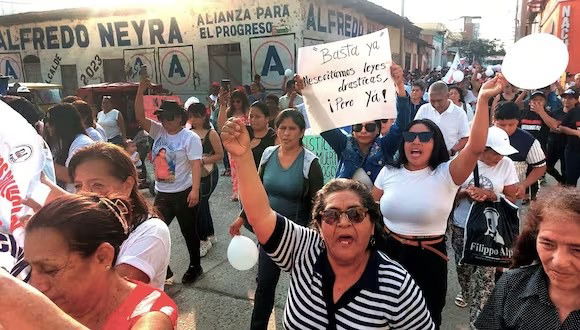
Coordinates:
<point>362,155</point>
<point>178,193</point>
<point>234,104</point>
<point>72,244</point>
<point>337,271</point>
<point>291,176</point>
<point>213,152</point>
<point>416,195</point>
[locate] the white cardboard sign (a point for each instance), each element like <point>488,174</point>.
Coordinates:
<point>348,82</point>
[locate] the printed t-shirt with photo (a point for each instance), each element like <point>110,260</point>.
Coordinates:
<point>171,156</point>
<point>493,178</point>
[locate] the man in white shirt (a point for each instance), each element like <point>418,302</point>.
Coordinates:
<point>291,99</point>
<point>451,119</point>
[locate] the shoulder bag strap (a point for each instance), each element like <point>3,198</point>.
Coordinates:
<point>476,175</point>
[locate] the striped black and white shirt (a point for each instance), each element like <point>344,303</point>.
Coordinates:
<point>385,297</point>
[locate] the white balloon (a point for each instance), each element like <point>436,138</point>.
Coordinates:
<point>489,72</point>
<point>242,253</point>
<point>497,68</point>
<point>449,64</point>
<point>438,68</point>
<point>288,73</point>
<point>458,76</point>
<point>535,61</point>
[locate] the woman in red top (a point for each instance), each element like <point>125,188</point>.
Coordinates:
<point>71,245</point>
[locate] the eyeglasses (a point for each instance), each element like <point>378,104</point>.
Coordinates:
<point>423,136</point>
<point>354,214</point>
<point>166,117</point>
<point>369,127</point>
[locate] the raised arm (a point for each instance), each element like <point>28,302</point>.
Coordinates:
<point>390,142</point>
<point>464,163</point>
<point>143,121</point>
<point>24,307</point>
<point>224,99</point>
<point>254,199</point>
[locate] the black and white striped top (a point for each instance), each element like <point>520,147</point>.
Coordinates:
<point>385,297</point>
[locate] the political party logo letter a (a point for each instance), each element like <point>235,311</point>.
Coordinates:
<point>277,66</point>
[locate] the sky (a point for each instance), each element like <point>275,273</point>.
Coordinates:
<point>497,15</point>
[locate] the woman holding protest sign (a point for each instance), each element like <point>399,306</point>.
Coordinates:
<point>339,277</point>
<point>291,176</point>
<point>363,154</point>
<point>423,172</point>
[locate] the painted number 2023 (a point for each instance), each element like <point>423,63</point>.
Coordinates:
<point>91,69</point>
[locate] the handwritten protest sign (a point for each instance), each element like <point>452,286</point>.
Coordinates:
<point>153,102</point>
<point>326,155</point>
<point>348,81</point>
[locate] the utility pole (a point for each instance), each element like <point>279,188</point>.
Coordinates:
<point>402,41</point>
<point>516,21</point>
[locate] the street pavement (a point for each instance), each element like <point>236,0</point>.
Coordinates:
<point>223,297</point>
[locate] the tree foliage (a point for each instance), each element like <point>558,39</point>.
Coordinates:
<point>479,48</point>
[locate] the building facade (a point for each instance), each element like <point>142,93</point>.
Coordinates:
<point>558,17</point>
<point>184,49</point>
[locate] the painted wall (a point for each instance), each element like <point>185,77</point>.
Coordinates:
<point>174,44</point>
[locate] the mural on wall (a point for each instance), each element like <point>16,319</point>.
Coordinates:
<point>177,69</point>
<point>53,70</point>
<point>135,59</point>
<point>240,21</point>
<point>271,56</point>
<point>11,66</point>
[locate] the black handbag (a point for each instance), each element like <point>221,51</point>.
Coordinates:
<point>490,231</point>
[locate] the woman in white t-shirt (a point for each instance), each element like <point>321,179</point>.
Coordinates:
<point>416,197</point>
<point>107,170</point>
<point>86,113</point>
<point>177,154</point>
<point>112,122</point>
<point>65,136</point>
<point>497,176</point>
<point>457,96</point>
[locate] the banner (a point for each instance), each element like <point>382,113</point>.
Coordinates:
<point>326,155</point>
<point>22,159</point>
<point>153,102</point>
<point>348,81</point>
<point>448,79</point>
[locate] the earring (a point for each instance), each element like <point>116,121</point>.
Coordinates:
<point>372,241</point>
<point>108,267</point>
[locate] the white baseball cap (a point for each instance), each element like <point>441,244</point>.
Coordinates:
<point>499,141</point>
<point>190,101</point>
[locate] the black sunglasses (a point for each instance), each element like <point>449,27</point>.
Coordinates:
<point>369,127</point>
<point>354,214</point>
<point>423,136</point>
<point>166,117</point>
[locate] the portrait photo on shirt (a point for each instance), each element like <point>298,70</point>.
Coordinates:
<point>164,163</point>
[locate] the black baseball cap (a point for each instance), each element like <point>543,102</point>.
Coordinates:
<point>169,107</point>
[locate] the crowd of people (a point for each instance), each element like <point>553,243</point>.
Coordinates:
<point>368,249</point>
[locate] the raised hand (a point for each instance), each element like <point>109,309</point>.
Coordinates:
<point>235,137</point>
<point>493,87</point>
<point>397,74</point>
<point>299,85</point>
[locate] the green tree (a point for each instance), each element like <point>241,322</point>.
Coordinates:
<point>479,48</point>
